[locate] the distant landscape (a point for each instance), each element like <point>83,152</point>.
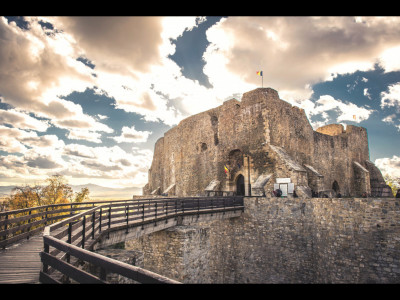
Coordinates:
<point>97,192</point>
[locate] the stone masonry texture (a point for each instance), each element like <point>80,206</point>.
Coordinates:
<point>283,240</point>
<point>260,140</point>
<point>262,136</point>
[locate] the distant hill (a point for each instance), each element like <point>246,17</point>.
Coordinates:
<point>97,192</point>
<point>101,192</point>
<point>6,190</point>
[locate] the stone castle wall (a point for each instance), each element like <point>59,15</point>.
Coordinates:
<point>283,240</point>
<point>194,153</point>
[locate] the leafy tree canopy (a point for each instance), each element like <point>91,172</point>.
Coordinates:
<point>56,190</point>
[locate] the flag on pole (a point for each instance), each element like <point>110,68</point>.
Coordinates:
<point>260,73</point>
<point>226,169</point>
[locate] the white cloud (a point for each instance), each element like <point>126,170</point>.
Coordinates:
<point>48,143</point>
<point>367,94</point>
<point>79,151</point>
<point>347,111</point>
<point>389,119</point>
<point>12,166</point>
<point>36,70</point>
<point>137,95</point>
<point>390,59</point>
<point>294,52</point>
<point>392,119</point>
<point>128,45</point>
<point>173,27</point>
<point>108,164</point>
<point>38,161</point>
<point>21,120</point>
<point>390,166</point>
<point>131,135</point>
<point>11,139</point>
<point>148,83</point>
<point>37,155</point>
<point>83,134</point>
<point>32,71</point>
<point>326,103</point>
<point>392,97</point>
<point>102,117</point>
<point>144,82</point>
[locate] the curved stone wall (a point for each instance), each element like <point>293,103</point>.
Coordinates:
<point>283,240</point>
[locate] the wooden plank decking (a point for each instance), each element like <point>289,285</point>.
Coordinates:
<point>21,263</point>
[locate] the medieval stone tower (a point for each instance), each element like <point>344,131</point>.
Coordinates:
<point>253,146</point>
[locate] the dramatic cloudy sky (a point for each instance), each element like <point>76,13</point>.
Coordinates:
<point>88,97</point>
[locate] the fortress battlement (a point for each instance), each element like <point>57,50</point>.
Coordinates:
<point>240,143</point>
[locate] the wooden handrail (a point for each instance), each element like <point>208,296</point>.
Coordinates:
<point>105,263</point>
<point>23,223</point>
<point>74,236</point>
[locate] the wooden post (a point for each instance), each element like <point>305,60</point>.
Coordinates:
<point>103,274</point>
<point>155,215</point>
<point>29,221</point>
<point>109,221</point>
<point>142,215</point>
<point>5,229</point>
<point>101,216</point>
<point>93,219</point>
<point>69,232</point>
<point>176,209</point>
<point>45,223</point>
<point>127,220</point>
<point>46,250</point>
<point>198,208</point>
<point>109,217</point>
<point>69,240</point>
<point>83,231</point>
<point>166,211</point>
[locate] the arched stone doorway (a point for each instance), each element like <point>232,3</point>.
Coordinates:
<point>240,185</point>
<point>335,187</point>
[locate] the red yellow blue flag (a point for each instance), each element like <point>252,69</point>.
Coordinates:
<point>259,73</point>
<point>226,169</point>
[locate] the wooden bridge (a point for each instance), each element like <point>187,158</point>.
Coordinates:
<point>56,243</point>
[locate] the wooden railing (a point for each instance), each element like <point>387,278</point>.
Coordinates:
<point>67,243</point>
<point>16,225</point>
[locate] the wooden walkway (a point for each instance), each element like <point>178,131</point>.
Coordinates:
<point>20,263</point>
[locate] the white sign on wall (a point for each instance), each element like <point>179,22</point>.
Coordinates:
<point>282,180</point>
<point>290,188</point>
<point>284,185</point>
<point>284,189</point>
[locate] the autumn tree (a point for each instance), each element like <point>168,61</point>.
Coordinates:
<point>82,196</point>
<point>55,191</point>
<point>20,198</point>
<point>394,183</point>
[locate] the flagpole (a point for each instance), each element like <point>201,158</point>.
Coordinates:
<point>260,73</point>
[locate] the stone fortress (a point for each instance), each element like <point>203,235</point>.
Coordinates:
<point>253,146</point>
